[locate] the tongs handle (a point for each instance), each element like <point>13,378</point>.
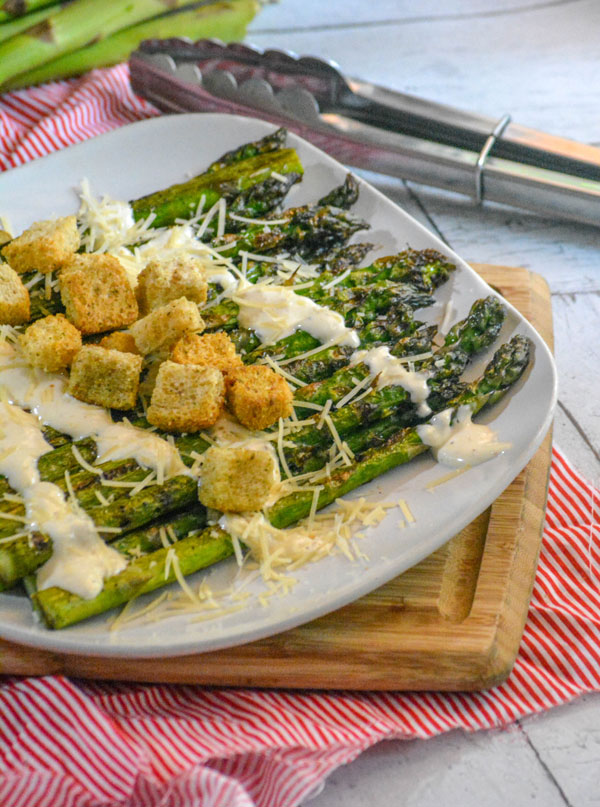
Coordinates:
<point>284,89</point>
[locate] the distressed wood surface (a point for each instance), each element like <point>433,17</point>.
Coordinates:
<point>538,60</point>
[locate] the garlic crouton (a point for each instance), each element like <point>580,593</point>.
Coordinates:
<point>97,294</point>
<point>45,246</point>
<point>160,282</point>
<point>209,350</point>
<point>14,297</point>
<point>166,325</point>
<point>51,343</point>
<point>105,377</point>
<point>186,398</point>
<point>258,397</point>
<point>119,340</point>
<point>236,480</point>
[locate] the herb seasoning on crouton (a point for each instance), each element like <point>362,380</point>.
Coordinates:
<point>45,246</point>
<point>165,325</point>
<point>105,377</point>
<point>97,294</point>
<point>161,282</point>
<point>258,396</point>
<point>237,480</point>
<point>209,350</point>
<point>51,343</point>
<point>119,340</point>
<point>14,298</point>
<point>186,398</point>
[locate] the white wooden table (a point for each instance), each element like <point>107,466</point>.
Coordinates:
<point>539,60</point>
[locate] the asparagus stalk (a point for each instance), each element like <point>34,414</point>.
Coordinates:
<point>147,573</point>
<point>142,542</point>
<point>309,232</point>
<point>14,25</point>
<point>72,26</point>
<point>338,260</point>
<point>24,555</point>
<point>474,333</point>
<point>478,330</point>
<point>506,367</point>
<point>142,575</point>
<point>344,196</point>
<point>419,273</point>
<point>271,142</point>
<point>425,268</point>
<point>15,9</point>
<point>181,200</point>
<point>324,364</point>
<point>221,20</point>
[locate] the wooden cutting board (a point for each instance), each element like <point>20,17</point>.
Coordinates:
<point>454,622</point>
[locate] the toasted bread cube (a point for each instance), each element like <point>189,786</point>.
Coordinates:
<point>160,282</point>
<point>166,325</point>
<point>237,480</point>
<point>119,340</point>
<point>186,398</point>
<point>14,297</point>
<point>105,377</point>
<point>51,343</point>
<point>258,396</point>
<point>45,246</point>
<point>97,294</point>
<point>209,350</point>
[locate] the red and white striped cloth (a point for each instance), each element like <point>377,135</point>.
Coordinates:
<point>109,745</point>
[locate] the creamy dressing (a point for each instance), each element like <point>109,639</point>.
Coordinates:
<point>460,442</point>
<point>121,441</point>
<point>80,559</point>
<point>391,371</point>
<point>45,395</point>
<point>275,312</point>
<point>21,445</point>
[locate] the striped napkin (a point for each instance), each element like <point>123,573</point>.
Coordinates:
<point>79,744</point>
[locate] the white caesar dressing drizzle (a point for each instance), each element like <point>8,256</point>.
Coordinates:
<point>80,559</point>
<point>45,395</point>
<point>21,446</point>
<point>461,442</point>
<point>391,371</point>
<point>275,312</point>
<point>120,441</point>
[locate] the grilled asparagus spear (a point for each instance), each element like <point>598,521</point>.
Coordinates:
<point>199,550</point>
<point>507,366</point>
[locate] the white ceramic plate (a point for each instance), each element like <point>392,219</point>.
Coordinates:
<point>142,157</point>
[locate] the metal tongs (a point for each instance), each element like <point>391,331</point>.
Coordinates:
<point>370,127</point>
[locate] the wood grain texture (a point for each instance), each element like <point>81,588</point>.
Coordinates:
<point>453,622</point>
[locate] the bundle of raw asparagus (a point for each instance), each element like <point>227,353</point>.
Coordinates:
<point>379,427</point>
<point>42,40</point>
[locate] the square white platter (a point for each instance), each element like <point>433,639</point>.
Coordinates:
<point>152,154</point>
